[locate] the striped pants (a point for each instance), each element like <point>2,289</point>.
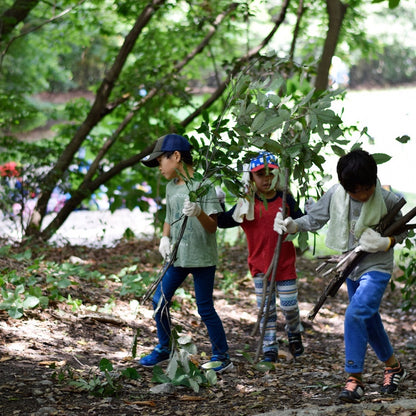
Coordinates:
<point>287,292</point>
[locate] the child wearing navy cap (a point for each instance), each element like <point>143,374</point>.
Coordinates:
<point>197,250</point>
<point>256,217</point>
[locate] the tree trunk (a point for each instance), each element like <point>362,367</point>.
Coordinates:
<point>336,12</point>
<point>14,15</point>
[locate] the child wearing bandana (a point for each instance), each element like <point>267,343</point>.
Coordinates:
<point>255,214</point>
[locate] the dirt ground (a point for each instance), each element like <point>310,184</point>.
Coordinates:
<point>41,352</point>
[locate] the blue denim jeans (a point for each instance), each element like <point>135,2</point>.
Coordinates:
<point>362,323</point>
<point>204,286</point>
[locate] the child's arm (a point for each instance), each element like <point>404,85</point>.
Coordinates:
<point>226,220</point>
<point>166,230</point>
<point>209,222</point>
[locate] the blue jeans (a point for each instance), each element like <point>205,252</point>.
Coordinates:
<point>362,323</point>
<point>204,286</point>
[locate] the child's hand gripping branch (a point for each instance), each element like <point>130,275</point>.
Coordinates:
<point>371,241</point>
<point>191,209</point>
<point>282,226</point>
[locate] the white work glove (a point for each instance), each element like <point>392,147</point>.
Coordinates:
<point>371,241</point>
<point>286,225</point>
<point>191,209</point>
<point>220,194</point>
<point>165,247</point>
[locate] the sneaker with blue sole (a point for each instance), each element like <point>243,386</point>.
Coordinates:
<point>157,356</point>
<point>219,363</point>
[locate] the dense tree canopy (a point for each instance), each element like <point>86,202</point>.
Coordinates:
<point>232,75</point>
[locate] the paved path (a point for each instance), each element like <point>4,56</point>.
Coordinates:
<point>96,228</point>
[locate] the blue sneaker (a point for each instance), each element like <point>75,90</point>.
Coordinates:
<point>219,363</point>
<point>157,356</point>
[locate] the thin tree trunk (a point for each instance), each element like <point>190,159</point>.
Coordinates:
<point>336,13</point>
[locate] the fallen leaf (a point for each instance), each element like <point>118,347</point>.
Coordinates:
<point>186,398</point>
<point>141,403</point>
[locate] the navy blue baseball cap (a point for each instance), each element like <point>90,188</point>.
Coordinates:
<point>167,143</point>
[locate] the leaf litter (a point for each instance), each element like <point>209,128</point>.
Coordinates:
<point>41,351</point>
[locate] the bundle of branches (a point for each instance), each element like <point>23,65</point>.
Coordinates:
<point>346,262</point>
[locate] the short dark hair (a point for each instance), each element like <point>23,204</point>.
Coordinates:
<point>357,168</point>
<point>186,156</point>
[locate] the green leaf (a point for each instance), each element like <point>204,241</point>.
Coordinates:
<point>194,385</point>
<point>393,4</point>
<point>30,302</point>
<point>381,158</point>
<point>303,241</point>
<point>271,125</point>
<point>403,139</point>
<point>339,151</point>
<point>15,312</point>
<point>211,376</point>
<point>105,365</point>
<point>264,366</point>
<point>159,376</point>
<point>258,121</point>
<point>131,373</point>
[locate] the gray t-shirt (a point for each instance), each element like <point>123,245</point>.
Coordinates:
<point>197,248</point>
<point>319,215</point>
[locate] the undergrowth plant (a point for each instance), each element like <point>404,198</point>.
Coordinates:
<point>104,382</point>
<point>407,264</point>
<point>183,369</point>
<point>37,282</point>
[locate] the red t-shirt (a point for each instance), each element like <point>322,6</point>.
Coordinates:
<point>262,240</point>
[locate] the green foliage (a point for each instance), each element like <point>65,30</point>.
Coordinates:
<point>269,115</point>
<point>407,264</point>
<point>103,383</point>
<point>229,283</point>
<point>38,282</point>
<point>182,370</point>
<point>133,283</point>
<point>394,65</point>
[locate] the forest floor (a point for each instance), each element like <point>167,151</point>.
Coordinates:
<point>43,351</point>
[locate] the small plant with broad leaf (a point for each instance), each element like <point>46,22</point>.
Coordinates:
<point>407,264</point>
<point>182,369</point>
<point>104,383</point>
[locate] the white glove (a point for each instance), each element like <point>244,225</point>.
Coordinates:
<point>286,225</point>
<point>371,241</point>
<point>164,247</point>
<point>191,209</point>
<point>220,194</point>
